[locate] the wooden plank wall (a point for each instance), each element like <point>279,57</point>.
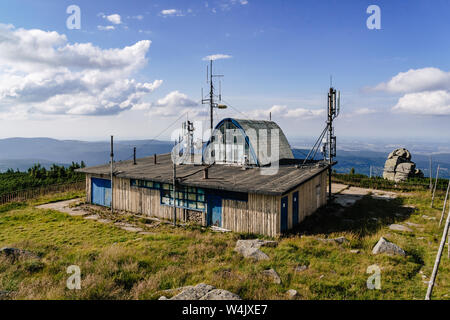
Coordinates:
<point>308,202</point>
<point>140,200</point>
<point>260,215</point>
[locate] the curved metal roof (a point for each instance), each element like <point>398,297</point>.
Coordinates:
<point>258,146</point>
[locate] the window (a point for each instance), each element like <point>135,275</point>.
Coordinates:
<point>187,197</point>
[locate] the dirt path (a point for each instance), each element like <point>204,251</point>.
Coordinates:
<point>64,206</point>
<point>347,196</point>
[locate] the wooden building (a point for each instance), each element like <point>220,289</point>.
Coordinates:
<point>232,196</point>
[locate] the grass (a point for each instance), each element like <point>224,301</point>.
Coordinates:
<point>116,264</point>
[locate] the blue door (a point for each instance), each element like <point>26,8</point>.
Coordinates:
<point>101,192</point>
<point>215,210</point>
<point>284,214</point>
<point>295,208</point>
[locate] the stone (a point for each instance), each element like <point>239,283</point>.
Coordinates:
<point>292,293</point>
<point>194,293</point>
<point>384,246</point>
<point>339,240</point>
<point>252,253</point>
<point>202,291</point>
<point>415,225</point>
<point>354,251</point>
<point>250,248</point>
<point>399,227</point>
<point>220,294</point>
<point>399,167</point>
<point>272,275</point>
<point>17,253</point>
<point>299,269</point>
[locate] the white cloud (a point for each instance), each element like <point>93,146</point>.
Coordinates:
<point>284,112</point>
<point>416,80</point>
<point>42,73</point>
<point>425,91</point>
<point>424,103</point>
<point>171,12</point>
<point>217,57</point>
<point>113,18</point>
<point>173,104</point>
<point>105,28</point>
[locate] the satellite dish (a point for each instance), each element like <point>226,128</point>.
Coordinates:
<point>222,106</point>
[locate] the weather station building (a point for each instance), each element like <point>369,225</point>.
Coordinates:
<point>246,181</point>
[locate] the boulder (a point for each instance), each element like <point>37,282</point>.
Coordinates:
<point>384,246</point>
<point>203,292</point>
<point>272,275</point>
<point>399,167</point>
<point>193,293</point>
<point>399,227</point>
<point>250,248</point>
<point>220,294</point>
<point>299,269</point>
<point>292,293</point>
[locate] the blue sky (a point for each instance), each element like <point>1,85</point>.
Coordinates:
<point>394,81</point>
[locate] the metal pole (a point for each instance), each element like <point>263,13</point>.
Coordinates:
<point>431,176</point>
<point>134,155</point>
<point>174,194</point>
<point>112,174</point>
<point>211,97</point>
<point>445,204</point>
<point>435,184</point>
<point>330,143</point>
<point>438,258</point>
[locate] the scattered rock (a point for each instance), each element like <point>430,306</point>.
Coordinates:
<point>252,253</point>
<point>384,246</point>
<point>292,293</point>
<point>256,243</point>
<point>321,277</point>
<point>202,292</point>
<point>355,251</point>
<point>220,294</point>
<point>92,217</point>
<point>250,248</point>
<point>273,275</point>
<point>4,294</point>
<point>194,293</point>
<point>300,268</point>
<point>17,253</point>
<point>415,225</point>
<point>399,227</point>
<point>104,221</point>
<point>428,217</point>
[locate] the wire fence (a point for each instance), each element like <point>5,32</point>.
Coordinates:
<point>27,194</point>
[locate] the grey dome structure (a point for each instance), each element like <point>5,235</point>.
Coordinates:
<point>239,141</point>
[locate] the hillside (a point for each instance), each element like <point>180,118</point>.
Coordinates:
<point>120,264</point>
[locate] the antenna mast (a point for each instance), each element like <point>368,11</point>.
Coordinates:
<point>210,101</point>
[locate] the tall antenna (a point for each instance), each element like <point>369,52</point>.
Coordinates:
<point>210,100</point>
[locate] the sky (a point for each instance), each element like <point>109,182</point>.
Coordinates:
<point>135,69</point>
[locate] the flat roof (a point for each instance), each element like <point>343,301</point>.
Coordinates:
<point>220,176</point>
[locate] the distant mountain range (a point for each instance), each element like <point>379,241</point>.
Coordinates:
<point>22,153</point>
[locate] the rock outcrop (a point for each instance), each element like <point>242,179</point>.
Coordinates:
<point>250,248</point>
<point>203,292</point>
<point>384,246</point>
<point>399,167</point>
